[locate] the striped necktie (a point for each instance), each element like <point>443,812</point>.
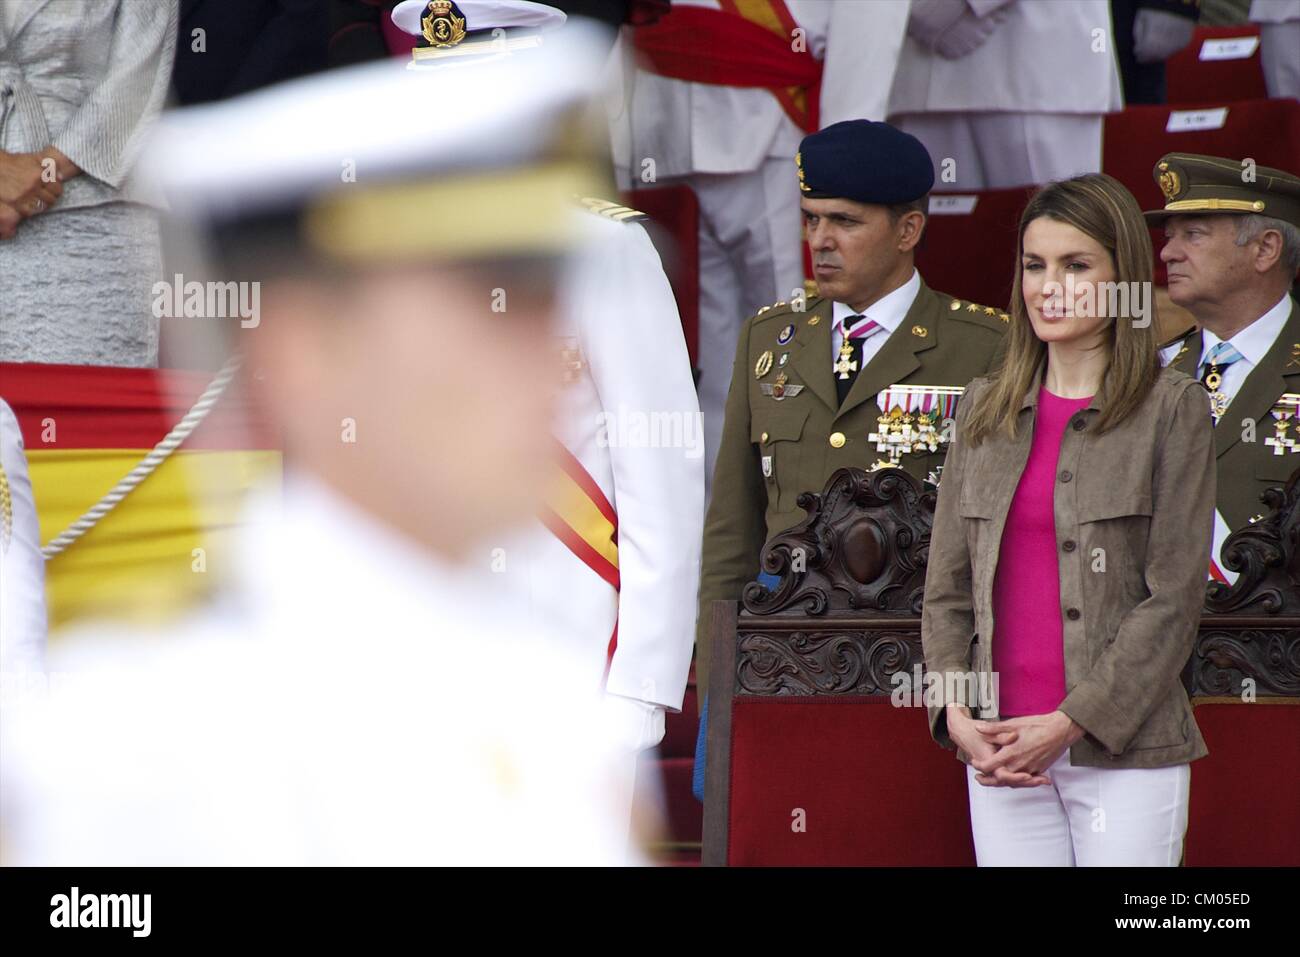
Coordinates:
<point>853,331</point>
<point>1217,359</point>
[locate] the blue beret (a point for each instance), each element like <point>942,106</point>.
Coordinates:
<point>864,161</point>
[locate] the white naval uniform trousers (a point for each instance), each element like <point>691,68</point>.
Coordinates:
<point>1024,108</point>
<point>1279,50</point>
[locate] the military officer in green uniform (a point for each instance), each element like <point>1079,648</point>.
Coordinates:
<point>1231,250</point>
<point>811,387</point>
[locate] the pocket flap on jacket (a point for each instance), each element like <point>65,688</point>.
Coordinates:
<point>973,505</point>
<point>1276,470</point>
<point>1115,505</point>
<point>786,427</point>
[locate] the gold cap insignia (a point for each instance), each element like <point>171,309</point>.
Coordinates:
<point>1170,184</point>
<point>442,25</point>
<point>798,162</point>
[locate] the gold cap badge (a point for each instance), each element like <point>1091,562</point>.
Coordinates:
<point>1169,182</point>
<point>1197,184</point>
<point>442,25</point>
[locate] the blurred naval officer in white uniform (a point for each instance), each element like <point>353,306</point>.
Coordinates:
<point>22,566</point>
<point>1013,90</point>
<point>734,147</point>
<point>356,697</point>
<point>613,561</point>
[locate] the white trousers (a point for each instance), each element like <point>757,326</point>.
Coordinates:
<point>750,257</point>
<point>1002,150</point>
<point>1280,58</point>
<point>1087,817</point>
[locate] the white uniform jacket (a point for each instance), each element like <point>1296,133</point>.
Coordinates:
<point>22,567</point>
<point>630,418</point>
<point>349,701</point>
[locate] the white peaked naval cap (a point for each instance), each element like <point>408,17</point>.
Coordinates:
<point>483,15</point>
<point>348,137</point>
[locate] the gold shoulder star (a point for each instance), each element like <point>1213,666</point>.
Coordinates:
<point>972,308</point>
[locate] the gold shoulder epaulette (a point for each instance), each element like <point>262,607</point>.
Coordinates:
<point>775,305</point>
<point>620,214</point>
<point>965,306</point>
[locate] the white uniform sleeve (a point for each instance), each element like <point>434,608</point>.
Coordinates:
<point>638,360</point>
<point>22,567</point>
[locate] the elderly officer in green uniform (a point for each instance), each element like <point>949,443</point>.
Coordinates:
<point>812,390</point>
<point>1232,249</point>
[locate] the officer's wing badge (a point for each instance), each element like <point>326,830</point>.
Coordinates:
<point>780,389</point>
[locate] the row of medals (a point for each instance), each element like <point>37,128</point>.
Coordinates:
<point>897,432</point>
<point>1283,411</point>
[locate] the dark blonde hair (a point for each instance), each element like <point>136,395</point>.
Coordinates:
<point>1099,206</point>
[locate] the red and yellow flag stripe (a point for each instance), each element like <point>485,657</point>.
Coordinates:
<point>84,429</point>
<point>580,515</point>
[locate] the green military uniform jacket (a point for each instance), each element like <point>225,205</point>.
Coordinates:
<point>1246,468</point>
<point>941,341</point>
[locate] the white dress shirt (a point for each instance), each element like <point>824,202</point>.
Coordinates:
<point>1253,343</point>
<point>888,312</point>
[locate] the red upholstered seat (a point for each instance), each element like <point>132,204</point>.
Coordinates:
<point>972,254</point>
<point>675,215</point>
<point>873,786</point>
<point>1245,800</point>
<point>1267,131</point>
<point>1211,67</point>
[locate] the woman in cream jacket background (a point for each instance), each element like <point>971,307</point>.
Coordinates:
<point>1068,557</point>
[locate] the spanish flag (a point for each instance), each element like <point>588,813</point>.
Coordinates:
<point>162,545</point>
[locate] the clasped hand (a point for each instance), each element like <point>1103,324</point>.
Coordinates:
<point>1015,752</point>
<point>27,187</point>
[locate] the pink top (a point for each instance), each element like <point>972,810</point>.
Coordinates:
<point>1028,643</point>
